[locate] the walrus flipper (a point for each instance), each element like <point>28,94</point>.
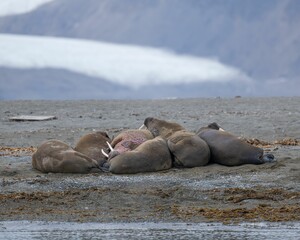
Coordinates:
<point>269,158</point>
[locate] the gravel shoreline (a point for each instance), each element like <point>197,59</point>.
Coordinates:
<point>268,192</point>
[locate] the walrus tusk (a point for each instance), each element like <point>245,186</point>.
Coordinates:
<point>141,127</point>
<point>104,153</point>
<point>110,147</point>
<point>221,129</point>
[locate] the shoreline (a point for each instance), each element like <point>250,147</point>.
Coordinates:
<point>212,193</point>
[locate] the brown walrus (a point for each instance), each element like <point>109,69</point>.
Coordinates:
<point>92,144</point>
<point>58,157</point>
<point>128,140</point>
<point>229,150</point>
<point>186,147</point>
<point>150,156</point>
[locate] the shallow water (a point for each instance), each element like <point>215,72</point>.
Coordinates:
<point>70,230</point>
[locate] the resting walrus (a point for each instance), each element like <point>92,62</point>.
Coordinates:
<point>150,156</point>
<point>128,140</point>
<point>186,147</point>
<point>58,157</point>
<point>229,150</point>
<point>91,145</point>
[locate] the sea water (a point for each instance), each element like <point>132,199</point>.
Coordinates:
<point>147,230</point>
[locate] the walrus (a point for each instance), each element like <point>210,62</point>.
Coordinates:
<point>188,150</point>
<point>229,150</point>
<point>92,144</point>
<point>128,140</point>
<point>58,157</point>
<point>150,156</point>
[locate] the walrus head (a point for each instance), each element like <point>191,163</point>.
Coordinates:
<point>215,126</point>
<point>161,128</point>
<point>150,123</point>
<point>113,153</point>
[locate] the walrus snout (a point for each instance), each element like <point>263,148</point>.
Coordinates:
<point>215,126</point>
<point>113,154</point>
<point>211,126</point>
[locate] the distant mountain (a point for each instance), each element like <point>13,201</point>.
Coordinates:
<point>56,84</point>
<point>259,37</point>
<point>63,84</point>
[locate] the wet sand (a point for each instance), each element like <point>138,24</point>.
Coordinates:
<point>268,192</point>
<point>147,230</point>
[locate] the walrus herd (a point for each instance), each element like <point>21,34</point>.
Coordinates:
<point>158,145</point>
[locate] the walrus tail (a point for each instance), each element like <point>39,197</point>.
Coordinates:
<point>104,169</point>
<point>267,158</point>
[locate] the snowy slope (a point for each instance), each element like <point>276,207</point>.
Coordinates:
<point>122,64</point>
<point>10,7</point>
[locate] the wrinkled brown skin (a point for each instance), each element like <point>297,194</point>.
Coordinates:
<point>151,156</point>
<point>58,157</point>
<point>91,145</point>
<point>162,128</point>
<point>229,150</point>
<point>129,140</point>
<point>186,147</point>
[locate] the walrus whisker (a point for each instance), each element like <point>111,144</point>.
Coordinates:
<point>110,147</point>
<point>104,153</point>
